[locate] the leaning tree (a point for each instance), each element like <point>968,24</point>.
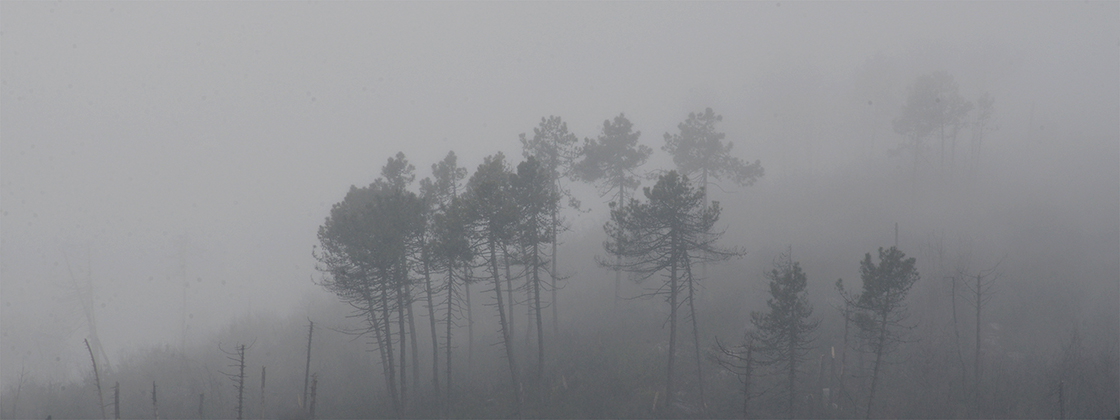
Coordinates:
<point>491,207</point>
<point>880,310</point>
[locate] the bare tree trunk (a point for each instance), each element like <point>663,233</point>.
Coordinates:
<point>505,329</point>
<point>695,331</point>
<point>97,379</point>
<point>470,327</point>
<point>450,308</point>
<point>307,366</point>
<point>432,325</point>
<point>540,325</point>
<point>389,349</point>
<point>509,293</point>
<point>261,413</point>
<point>672,329</point>
<point>878,360</point>
<point>412,334</point>
<point>402,333</point>
<point>978,360</point>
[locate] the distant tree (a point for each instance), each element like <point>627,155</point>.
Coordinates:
<point>934,108</point>
<point>611,161</point>
<point>452,248</point>
<point>880,309</point>
<point>785,332</point>
<point>668,232</point>
<point>535,200</point>
<point>982,125</point>
<point>699,150</point>
<point>491,206</point>
<point>556,150</point>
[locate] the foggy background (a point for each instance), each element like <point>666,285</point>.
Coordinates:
<point>181,156</point>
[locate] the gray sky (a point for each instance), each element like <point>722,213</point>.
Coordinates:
<point>157,143</point>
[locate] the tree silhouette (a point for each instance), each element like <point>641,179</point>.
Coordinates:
<point>785,332</point>
<point>880,309</point>
<point>668,232</point>
<point>611,161</point>
<point>556,150</point>
<point>535,200</point>
<point>491,206</point>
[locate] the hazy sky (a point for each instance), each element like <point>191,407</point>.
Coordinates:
<point>157,143</point>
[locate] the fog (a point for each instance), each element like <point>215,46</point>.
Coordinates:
<point>165,168</point>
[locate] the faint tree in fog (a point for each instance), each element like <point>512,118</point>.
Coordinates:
<point>699,150</point>
<point>556,149</point>
<point>494,213</point>
<point>785,332</point>
<point>982,125</point>
<point>667,233</point>
<point>880,309</point>
<point>611,160</point>
<point>934,108</point>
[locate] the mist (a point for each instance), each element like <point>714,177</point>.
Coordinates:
<point>165,170</point>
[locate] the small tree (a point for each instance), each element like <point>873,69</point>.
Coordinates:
<point>880,309</point>
<point>934,108</point>
<point>785,332</point>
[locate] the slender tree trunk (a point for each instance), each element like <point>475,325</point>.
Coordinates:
<point>413,336</point>
<point>509,293</point>
<point>957,333</point>
<point>672,327</point>
<point>432,325</point>
<point>978,360</point>
<point>505,328</point>
<point>97,379</point>
<point>390,383</point>
<point>402,333</point>
<point>261,413</point>
<point>307,367</point>
<point>618,241</point>
<point>878,360</point>
<point>747,380</point>
<point>695,331</point>
<point>450,309</point>
<point>555,274</point>
<point>540,325</point>
<point>470,328</point>
<point>792,376</point>
<point>389,349</point>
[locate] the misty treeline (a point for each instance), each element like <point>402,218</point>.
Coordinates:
<point>453,287</point>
